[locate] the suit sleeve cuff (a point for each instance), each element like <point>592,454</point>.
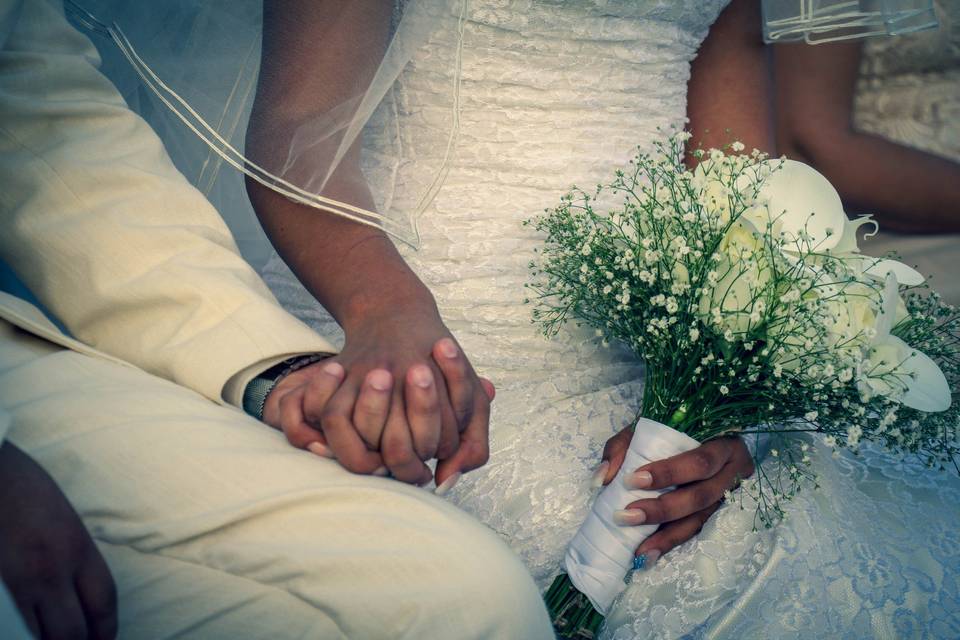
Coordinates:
<point>234,389</point>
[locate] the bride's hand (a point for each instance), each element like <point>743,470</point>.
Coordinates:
<point>701,476</point>
<point>350,408</point>
<point>437,407</point>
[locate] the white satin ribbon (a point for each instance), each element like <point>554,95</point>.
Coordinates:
<point>601,553</point>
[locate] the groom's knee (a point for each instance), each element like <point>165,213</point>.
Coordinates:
<point>508,603</point>
<point>396,562</point>
<point>483,590</point>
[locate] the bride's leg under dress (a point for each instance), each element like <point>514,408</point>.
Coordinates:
<point>214,527</point>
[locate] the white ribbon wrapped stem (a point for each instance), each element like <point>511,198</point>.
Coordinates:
<point>601,553</point>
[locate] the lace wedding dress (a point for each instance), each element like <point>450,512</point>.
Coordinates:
<point>560,92</point>
<point>552,94</point>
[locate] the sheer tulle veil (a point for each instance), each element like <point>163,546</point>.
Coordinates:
<point>283,92</point>
<point>214,79</point>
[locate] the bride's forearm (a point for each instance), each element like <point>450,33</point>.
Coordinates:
<point>318,59</point>
<point>353,270</point>
<point>907,189</point>
<point>729,96</point>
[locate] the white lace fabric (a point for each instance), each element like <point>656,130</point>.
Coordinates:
<point>872,554</point>
<point>556,93</point>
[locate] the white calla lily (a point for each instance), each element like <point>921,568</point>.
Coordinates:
<point>880,268</point>
<point>805,204</point>
<point>893,369</point>
<point>881,371</point>
<point>922,384</point>
<point>888,308</point>
<point>928,389</point>
<point>802,200</point>
<point>735,295</point>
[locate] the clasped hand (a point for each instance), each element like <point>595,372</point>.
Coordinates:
<point>401,392</point>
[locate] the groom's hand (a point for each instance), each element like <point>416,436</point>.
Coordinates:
<point>57,577</point>
<point>701,476</point>
<point>395,396</point>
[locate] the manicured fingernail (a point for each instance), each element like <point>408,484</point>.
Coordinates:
<point>448,348</point>
<point>334,369</point>
<point>629,517</point>
<point>422,377</point>
<point>645,560</point>
<point>638,480</point>
<point>599,475</point>
<point>321,450</point>
<point>445,486</point>
<point>381,472</point>
<point>379,380</point>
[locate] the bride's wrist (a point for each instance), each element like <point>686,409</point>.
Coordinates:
<point>372,310</point>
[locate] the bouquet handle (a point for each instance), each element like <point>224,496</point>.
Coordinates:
<point>601,553</point>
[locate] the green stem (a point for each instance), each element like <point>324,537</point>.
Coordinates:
<point>573,616</point>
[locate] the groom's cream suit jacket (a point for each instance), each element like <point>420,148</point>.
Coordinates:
<point>101,226</point>
<point>212,525</point>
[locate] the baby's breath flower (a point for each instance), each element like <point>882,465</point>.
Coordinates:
<point>853,436</point>
<point>694,264</point>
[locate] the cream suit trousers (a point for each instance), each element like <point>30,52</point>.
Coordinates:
<point>213,526</point>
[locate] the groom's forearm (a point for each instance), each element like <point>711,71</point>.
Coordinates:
<point>104,230</point>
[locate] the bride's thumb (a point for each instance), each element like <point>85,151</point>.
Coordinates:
<point>614,453</point>
<point>600,475</point>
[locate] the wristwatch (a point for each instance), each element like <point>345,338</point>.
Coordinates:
<point>256,392</point>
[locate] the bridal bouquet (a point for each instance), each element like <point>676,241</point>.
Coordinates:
<point>741,286</point>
